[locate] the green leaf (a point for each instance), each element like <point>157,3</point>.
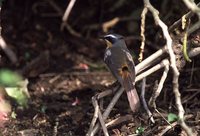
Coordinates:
<point>139,130</point>
<point>9,78</point>
<point>172,117</point>
<point>19,94</point>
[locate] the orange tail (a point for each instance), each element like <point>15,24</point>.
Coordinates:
<point>132,95</point>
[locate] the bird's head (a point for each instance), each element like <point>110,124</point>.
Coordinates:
<point>111,39</point>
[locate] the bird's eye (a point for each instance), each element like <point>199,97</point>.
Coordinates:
<point>109,39</point>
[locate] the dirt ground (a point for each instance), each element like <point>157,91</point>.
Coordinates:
<point>65,68</point>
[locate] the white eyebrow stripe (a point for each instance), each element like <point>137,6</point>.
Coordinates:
<point>111,35</point>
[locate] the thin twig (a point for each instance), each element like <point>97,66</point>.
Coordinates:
<point>143,17</point>
<point>190,97</point>
<point>162,116</point>
<point>167,128</point>
<point>119,120</point>
<point>101,120</point>
<point>11,55</point>
<point>110,24</point>
<point>68,10</point>
<point>70,30</point>
<point>195,9</point>
<point>144,101</point>
<point>55,7</point>
<point>108,109</point>
<point>66,16</point>
<point>178,23</point>
<point>154,96</point>
<point>95,116</point>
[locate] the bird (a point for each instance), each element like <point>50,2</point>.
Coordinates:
<point>119,61</point>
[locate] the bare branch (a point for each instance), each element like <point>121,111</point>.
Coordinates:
<point>110,23</point>
<point>192,6</point>
<point>68,10</point>
<point>148,61</point>
<point>108,110</point>
<point>173,65</point>
<point>152,70</point>
<point>195,9</point>
<point>187,16</point>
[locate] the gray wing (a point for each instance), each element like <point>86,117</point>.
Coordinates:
<point>112,66</point>
<point>131,65</point>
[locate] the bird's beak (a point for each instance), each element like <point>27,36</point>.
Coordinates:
<point>101,38</point>
<point>108,43</point>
